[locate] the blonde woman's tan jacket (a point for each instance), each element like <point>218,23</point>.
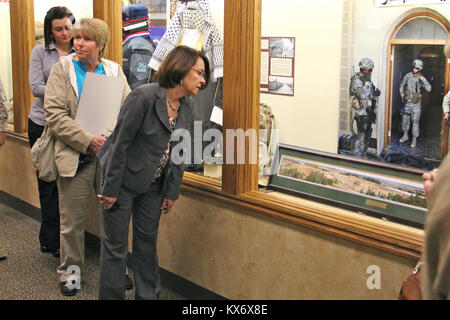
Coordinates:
<point>60,106</point>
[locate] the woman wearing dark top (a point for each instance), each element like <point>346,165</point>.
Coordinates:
<point>140,177</point>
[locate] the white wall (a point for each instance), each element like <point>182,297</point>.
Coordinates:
<point>310,118</point>
<point>217,11</point>
<point>79,8</point>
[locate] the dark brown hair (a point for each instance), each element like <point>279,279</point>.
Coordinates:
<point>52,14</point>
<point>177,64</point>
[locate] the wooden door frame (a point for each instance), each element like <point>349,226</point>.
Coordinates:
<point>390,65</point>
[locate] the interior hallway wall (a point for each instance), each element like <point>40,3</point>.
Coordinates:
<point>239,254</point>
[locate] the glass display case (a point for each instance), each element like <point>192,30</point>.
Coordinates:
<point>366,87</point>
<point>198,24</point>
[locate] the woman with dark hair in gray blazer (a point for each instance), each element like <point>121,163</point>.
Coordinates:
<point>140,177</point>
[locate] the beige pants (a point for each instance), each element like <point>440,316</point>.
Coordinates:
<point>75,196</point>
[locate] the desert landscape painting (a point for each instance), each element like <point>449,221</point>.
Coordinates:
<point>345,179</point>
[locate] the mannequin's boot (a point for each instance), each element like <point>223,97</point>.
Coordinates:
<point>404,138</point>
<point>414,142</point>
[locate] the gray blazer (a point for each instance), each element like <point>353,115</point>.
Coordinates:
<point>131,155</point>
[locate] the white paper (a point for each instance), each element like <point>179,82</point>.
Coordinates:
<point>281,67</point>
<point>264,68</point>
<point>100,101</point>
<point>265,44</point>
<point>217,115</point>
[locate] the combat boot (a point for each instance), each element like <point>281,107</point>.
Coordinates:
<point>404,138</point>
<point>414,142</point>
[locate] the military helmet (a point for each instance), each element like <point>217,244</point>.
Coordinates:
<point>366,64</point>
<point>418,64</point>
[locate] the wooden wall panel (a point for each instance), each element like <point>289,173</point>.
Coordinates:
<point>22,23</point>
<point>242,45</point>
<point>110,11</point>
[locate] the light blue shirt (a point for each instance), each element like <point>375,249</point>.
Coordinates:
<point>80,72</point>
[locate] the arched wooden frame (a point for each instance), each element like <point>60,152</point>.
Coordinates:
<point>389,68</point>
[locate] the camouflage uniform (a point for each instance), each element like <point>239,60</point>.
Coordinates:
<point>363,100</point>
<point>413,98</point>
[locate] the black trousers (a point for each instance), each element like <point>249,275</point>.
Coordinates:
<point>48,197</point>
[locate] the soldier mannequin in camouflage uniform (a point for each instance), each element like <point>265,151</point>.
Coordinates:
<point>414,82</point>
<point>363,100</point>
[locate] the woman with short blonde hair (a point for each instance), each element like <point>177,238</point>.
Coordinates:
<point>75,147</point>
<point>97,30</point>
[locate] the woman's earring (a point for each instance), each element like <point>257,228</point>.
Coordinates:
<point>181,82</point>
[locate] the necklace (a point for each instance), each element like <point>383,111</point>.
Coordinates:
<point>172,107</point>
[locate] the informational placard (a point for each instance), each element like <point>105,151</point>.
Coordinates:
<point>277,65</point>
<point>99,103</point>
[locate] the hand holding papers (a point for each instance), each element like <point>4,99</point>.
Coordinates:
<point>99,103</point>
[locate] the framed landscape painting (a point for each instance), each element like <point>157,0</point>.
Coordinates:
<point>366,187</point>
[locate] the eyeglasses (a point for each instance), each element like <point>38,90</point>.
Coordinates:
<point>367,70</point>
<point>199,72</point>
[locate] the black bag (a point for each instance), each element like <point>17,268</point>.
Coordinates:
<point>83,161</point>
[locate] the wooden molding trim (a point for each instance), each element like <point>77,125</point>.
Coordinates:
<point>423,42</point>
<point>22,137</point>
<point>242,56</point>
<point>422,14</point>
<point>110,11</point>
<point>22,23</point>
<point>384,235</point>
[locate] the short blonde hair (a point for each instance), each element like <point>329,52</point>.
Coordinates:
<point>447,48</point>
<point>95,28</point>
